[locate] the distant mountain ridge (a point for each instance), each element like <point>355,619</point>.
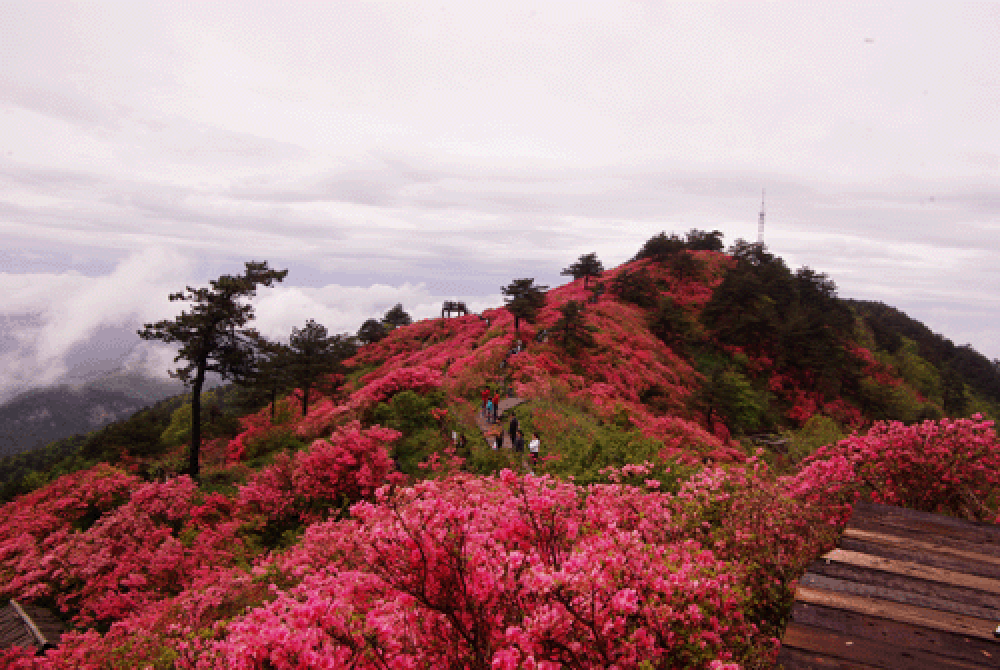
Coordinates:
<point>37,417</point>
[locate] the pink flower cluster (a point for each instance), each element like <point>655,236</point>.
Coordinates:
<point>348,466</point>
<point>139,552</point>
<point>936,466</point>
<point>503,572</point>
<point>401,379</point>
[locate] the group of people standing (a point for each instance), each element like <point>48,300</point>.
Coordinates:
<point>516,434</point>
<point>491,406</point>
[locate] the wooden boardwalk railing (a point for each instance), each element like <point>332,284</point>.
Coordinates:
<point>905,590</point>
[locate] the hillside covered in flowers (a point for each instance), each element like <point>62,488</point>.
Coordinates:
<point>653,532</point>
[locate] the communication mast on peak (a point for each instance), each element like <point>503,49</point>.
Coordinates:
<point>760,220</point>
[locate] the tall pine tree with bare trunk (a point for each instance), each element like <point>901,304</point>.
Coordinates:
<point>213,336</point>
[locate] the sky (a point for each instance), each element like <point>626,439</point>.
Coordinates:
<point>416,152</point>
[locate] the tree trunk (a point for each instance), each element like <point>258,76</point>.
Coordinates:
<point>274,402</point>
<point>193,453</point>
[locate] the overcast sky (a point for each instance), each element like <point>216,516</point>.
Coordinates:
<point>415,152</point>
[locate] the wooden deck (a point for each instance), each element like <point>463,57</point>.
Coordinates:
<point>904,590</point>
<point>25,625</point>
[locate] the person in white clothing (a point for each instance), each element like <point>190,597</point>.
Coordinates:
<point>533,447</point>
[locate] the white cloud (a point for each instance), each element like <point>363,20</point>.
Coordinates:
<point>415,152</point>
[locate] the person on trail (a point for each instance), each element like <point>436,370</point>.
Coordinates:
<point>489,410</point>
<point>486,394</point>
<point>519,442</point>
<point>498,443</point>
<point>513,428</point>
<point>533,447</point>
<point>496,406</point>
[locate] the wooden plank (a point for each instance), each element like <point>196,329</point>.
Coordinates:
<point>851,587</point>
<point>796,659</point>
<point>938,524</point>
<point>943,643</point>
<point>37,634</point>
<point>906,584</point>
<point>969,540</point>
<point>959,624</point>
<point>921,546</point>
<point>911,569</point>
<point>943,561</point>
<point>873,653</point>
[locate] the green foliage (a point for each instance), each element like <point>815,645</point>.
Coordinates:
<point>571,328</point>
<point>672,324</point>
<point>981,375</point>
<point>410,413</point>
<point>917,372</point>
<point>660,247</point>
<point>818,431</point>
<point>213,336</point>
<point>636,287</point>
<point>314,356</point>
<point>885,403</point>
<point>213,424</point>
<point>730,394</point>
<point>582,445</point>
<point>523,300</point>
<point>260,450</point>
<point>699,240</point>
<point>396,317</point>
<point>586,267</point>
<point>371,331</point>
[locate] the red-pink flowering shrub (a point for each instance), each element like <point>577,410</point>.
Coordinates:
<point>133,555</point>
<point>35,524</point>
<point>348,466</point>
<point>946,466</point>
<point>416,379</point>
<point>503,572</point>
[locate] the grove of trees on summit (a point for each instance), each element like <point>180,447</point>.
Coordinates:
<point>344,505</point>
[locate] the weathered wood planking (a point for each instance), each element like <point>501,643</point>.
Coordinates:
<point>28,626</point>
<point>905,590</point>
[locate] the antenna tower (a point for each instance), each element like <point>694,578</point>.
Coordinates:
<point>760,220</point>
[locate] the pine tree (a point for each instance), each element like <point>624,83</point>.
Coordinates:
<point>396,317</point>
<point>314,356</point>
<point>266,376</point>
<point>371,331</point>
<point>572,328</point>
<point>523,300</point>
<point>213,336</point>
<point>587,266</point>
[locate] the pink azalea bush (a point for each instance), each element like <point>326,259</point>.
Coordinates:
<point>349,465</point>
<point>946,466</point>
<point>502,571</point>
<point>134,554</point>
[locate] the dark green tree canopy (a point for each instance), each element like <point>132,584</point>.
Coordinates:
<point>265,376</point>
<point>586,266</point>
<point>213,335</point>
<point>572,328</point>
<point>636,287</point>
<point>314,356</point>
<point>371,331</point>
<point>699,240</point>
<point>396,317</point>
<point>523,299</point>
<point>660,247</point>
